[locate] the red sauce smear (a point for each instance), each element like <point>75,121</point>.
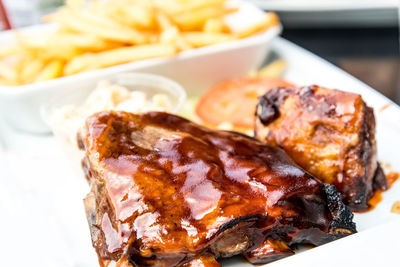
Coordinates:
<point>377,197</point>
<point>385,107</point>
<point>392,178</point>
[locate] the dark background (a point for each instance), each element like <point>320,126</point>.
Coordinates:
<point>369,54</point>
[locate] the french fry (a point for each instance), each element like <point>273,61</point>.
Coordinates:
<point>195,20</point>
<point>140,16</point>
<point>61,52</point>
<point>214,25</point>
<point>273,70</point>
<point>198,39</point>
<point>7,73</point>
<point>169,36</point>
<point>7,51</point>
<point>49,48</point>
<point>270,19</point>
<point>129,13</point>
<point>117,56</point>
<point>75,40</point>
<point>170,33</point>
<point>5,82</point>
<point>50,71</point>
<point>164,22</point>
<point>30,70</point>
<point>82,24</point>
<point>83,41</point>
<point>173,7</point>
<point>100,20</point>
<point>173,37</point>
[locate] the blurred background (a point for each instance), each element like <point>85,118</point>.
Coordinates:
<point>359,36</point>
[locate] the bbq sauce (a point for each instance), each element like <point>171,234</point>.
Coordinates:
<point>391,177</point>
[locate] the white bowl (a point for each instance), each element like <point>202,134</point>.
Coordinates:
<point>195,69</point>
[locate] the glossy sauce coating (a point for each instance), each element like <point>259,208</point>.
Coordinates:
<point>173,188</point>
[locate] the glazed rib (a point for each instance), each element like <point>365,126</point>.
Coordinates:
<point>329,133</point>
<point>168,192</point>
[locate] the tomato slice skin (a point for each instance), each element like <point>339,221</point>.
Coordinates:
<point>234,101</point>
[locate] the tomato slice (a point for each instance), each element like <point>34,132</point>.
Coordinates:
<point>234,101</point>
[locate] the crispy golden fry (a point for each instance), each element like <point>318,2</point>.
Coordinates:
<point>198,39</point>
<point>50,71</point>
<point>62,52</point>
<point>270,20</point>
<point>30,69</point>
<point>80,41</point>
<point>173,37</point>
<point>83,41</point>
<point>273,70</point>
<point>49,50</point>
<point>132,14</point>
<point>86,24</point>
<point>5,82</point>
<point>173,7</point>
<point>214,25</point>
<point>140,16</point>
<point>170,33</point>
<point>169,36</point>
<point>164,22</point>
<point>196,19</point>
<point>7,73</point>
<point>101,20</point>
<point>7,51</point>
<point>117,56</point>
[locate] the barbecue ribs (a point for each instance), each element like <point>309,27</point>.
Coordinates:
<point>168,192</point>
<point>329,133</point>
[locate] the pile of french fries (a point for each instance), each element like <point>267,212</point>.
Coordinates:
<point>93,34</point>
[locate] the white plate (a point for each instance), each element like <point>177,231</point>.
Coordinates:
<point>195,69</point>
<point>343,13</point>
<point>41,197</point>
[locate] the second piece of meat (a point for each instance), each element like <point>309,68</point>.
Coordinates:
<point>330,133</point>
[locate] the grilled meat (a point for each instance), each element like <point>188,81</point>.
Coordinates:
<point>168,192</point>
<point>329,133</point>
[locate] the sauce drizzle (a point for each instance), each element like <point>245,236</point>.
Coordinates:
<point>391,177</point>
<point>385,107</point>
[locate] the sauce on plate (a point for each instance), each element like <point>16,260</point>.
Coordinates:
<point>377,198</point>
